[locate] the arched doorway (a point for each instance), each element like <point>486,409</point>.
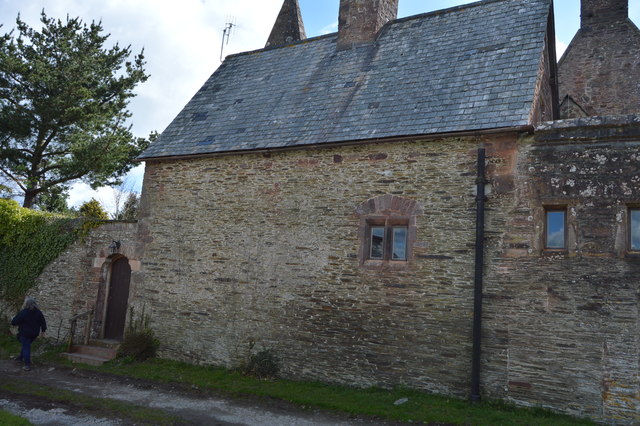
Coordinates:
<point>117,299</point>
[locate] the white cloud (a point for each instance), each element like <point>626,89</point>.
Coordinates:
<point>181,42</point>
<point>331,28</point>
<point>561,47</point>
<point>81,192</point>
<point>634,11</point>
<point>555,239</point>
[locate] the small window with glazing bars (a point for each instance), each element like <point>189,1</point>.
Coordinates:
<point>388,242</point>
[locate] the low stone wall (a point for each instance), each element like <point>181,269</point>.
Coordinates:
<point>73,283</point>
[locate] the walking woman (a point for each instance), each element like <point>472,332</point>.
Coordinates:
<point>29,321</point>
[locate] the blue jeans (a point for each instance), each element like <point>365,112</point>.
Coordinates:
<point>25,353</point>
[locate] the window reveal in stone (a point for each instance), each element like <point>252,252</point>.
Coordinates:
<point>555,229</point>
<point>634,229</point>
<point>399,243</point>
<point>387,231</point>
<point>377,242</point>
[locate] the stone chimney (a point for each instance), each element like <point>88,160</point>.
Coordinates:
<point>603,12</point>
<point>600,70</point>
<point>361,20</point>
<point>289,26</point>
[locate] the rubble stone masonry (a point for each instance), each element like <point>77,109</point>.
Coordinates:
<point>245,252</point>
<point>260,251</point>
<point>77,280</point>
<point>561,327</point>
<point>600,69</point>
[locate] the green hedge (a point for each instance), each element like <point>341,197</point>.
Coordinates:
<point>29,241</point>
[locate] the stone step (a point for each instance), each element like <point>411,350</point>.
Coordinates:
<point>105,343</point>
<point>96,351</point>
<point>84,359</point>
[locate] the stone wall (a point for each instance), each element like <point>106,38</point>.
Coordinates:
<point>260,251</point>
<point>76,281</point>
<point>256,251</point>
<point>561,328</point>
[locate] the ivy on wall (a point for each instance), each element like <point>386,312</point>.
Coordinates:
<point>29,241</point>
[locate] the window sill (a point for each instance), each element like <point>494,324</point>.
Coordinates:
<point>393,265</point>
<point>554,253</point>
<point>632,254</point>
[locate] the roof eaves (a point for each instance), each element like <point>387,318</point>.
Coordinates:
<point>500,129</point>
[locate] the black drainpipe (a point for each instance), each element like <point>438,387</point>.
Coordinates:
<point>477,290</point>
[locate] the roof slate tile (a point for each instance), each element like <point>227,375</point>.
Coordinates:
<point>471,67</point>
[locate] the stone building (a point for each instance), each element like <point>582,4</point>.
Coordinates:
<point>323,199</point>
<point>600,71</point>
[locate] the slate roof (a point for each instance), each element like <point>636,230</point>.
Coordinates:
<point>471,67</point>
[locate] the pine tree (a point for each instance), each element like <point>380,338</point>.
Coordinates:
<point>63,106</point>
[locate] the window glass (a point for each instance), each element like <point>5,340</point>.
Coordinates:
<point>634,222</point>
<point>377,242</point>
<point>399,243</point>
<point>555,229</point>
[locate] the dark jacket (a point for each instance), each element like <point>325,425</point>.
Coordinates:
<point>30,322</point>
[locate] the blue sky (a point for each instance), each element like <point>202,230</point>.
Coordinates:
<point>182,41</point>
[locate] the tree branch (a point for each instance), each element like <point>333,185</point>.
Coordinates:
<point>14,179</point>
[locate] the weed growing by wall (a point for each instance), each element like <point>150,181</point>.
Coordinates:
<point>139,342</point>
<point>264,365</point>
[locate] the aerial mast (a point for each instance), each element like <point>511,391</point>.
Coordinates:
<point>226,33</point>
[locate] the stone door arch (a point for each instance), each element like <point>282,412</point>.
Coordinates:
<point>117,299</point>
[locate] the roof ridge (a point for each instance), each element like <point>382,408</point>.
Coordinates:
<point>390,23</point>
<point>446,10</point>
<point>280,46</point>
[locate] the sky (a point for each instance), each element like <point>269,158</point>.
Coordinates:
<point>182,43</point>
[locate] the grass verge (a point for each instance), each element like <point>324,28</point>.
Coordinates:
<point>376,402</point>
<point>9,419</point>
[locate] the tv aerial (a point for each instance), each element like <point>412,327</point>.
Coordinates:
<point>226,33</point>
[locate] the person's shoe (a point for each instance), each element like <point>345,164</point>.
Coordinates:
<point>26,368</point>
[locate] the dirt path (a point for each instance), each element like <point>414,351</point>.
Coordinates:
<point>190,405</point>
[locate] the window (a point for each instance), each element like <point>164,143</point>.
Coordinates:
<point>387,231</point>
<point>555,229</point>
<point>634,229</point>
<point>388,242</point>
<point>399,243</point>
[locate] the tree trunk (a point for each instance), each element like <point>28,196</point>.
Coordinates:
<point>29,199</point>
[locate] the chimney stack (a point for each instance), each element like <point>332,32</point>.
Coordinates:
<point>361,20</point>
<point>289,27</point>
<point>603,12</point>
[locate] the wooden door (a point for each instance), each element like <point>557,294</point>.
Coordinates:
<point>117,299</point>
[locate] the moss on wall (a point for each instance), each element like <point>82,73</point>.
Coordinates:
<point>29,240</point>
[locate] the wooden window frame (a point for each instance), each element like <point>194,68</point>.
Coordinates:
<point>390,211</point>
<point>389,224</point>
